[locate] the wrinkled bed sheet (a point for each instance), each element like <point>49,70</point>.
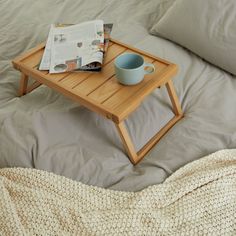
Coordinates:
<point>45,130</point>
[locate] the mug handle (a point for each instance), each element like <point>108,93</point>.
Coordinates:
<point>150,65</point>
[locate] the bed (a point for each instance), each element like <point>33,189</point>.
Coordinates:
<point>46,131</point>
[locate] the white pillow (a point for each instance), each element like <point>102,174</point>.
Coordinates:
<point>206,27</point>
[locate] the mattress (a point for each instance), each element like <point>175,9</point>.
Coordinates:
<point>47,131</point>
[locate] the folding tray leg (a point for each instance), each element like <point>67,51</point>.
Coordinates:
<point>24,88</point>
<point>134,156</point>
<point>129,147</point>
<point>23,84</point>
<point>173,97</point>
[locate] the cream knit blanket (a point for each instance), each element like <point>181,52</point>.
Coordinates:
<point>198,199</point>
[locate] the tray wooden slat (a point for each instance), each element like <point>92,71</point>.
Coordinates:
<point>73,79</point>
<point>95,80</point>
<point>107,90</point>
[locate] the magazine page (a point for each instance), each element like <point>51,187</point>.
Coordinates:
<point>93,67</point>
<point>96,66</point>
<point>75,46</point>
<point>46,59</point>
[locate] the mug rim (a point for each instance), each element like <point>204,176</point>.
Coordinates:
<point>115,62</point>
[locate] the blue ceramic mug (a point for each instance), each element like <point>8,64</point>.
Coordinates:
<point>130,68</point>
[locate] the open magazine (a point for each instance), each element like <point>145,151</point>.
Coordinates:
<point>78,47</point>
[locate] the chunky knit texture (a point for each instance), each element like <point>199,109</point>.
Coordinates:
<point>198,199</point>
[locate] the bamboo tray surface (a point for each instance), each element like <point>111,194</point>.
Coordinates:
<point>100,91</point>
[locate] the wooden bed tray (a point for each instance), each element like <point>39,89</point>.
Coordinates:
<point>101,93</point>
